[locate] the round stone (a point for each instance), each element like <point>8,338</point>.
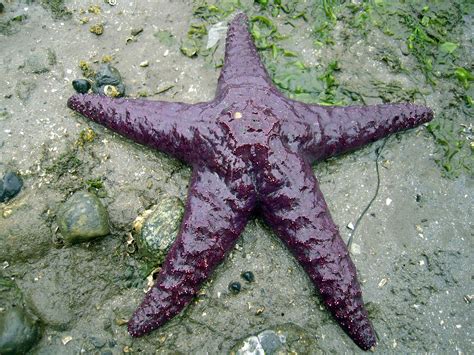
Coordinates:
<point>235,287</point>
<point>82,218</point>
<point>10,186</point>
<point>18,332</point>
<point>286,338</point>
<point>248,276</point>
<point>108,76</point>
<point>156,229</point>
<point>81,86</point>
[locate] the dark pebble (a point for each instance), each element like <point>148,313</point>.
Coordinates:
<point>81,86</point>
<point>106,324</point>
<point>10,186</point>
<point>97,342</point>
<point>108,75</point>
<point>18,332</point>
<point>248,276</point>
<point>418,197</point>
<point>235,287</point>
<point>2,8</point>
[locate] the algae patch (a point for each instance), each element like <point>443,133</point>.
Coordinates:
<point>421,45</point>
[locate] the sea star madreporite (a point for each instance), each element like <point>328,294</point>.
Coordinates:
<point>252,147</point>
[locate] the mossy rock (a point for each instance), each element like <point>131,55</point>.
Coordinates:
<point>156,229</point>
<point>82,218</point>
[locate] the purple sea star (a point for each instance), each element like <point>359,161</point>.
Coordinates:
<point>252,147</point>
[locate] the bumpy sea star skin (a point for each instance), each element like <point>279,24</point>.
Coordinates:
<point>252,147</point>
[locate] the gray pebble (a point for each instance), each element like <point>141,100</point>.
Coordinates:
<point>136,31</point>
<point>270,341</point>
<point>97,342</point>
<point>157,229</point>
<point>107,76</point>
<point>18,332</point>
<point>281,339</point>
<point>82,218</point>
<point>10,186</point>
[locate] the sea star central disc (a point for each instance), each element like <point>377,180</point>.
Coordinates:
<point>250,147</point>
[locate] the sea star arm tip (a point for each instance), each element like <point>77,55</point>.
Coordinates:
<point>296,210</point>
<point>166,126</point>
<point>341,129</point>
<point>208,231</point>
<point>242,63</point>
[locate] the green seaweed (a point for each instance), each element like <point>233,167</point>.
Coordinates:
<point>57,8</point>
<point>427,33</point>
<point>67,163</point>
<point>96,186</point>
<point>464,76</point>
<point>454,153</point>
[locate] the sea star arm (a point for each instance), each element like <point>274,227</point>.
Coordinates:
<point>337,130</point>
<point>242,63</point>
<point>214,218</point>
<point>166,126</point>
<point>297,212</point>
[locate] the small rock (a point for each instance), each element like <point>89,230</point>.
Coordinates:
<point>157,228</point>
<point>18,332</point>
<point>97,342</point>
<point>144,64</point>
<point>355,249</point>
<point>10,186</point>
<point>266,342</point>
<point>235,287</point>
<point>40,62</point>
<point>136,31</point>
<point>283,339</point>
<point>248,276</point>
<point>108,75</point>
<point>249,346</point>
<point>82,218</point>
<point>2,8</point>
<point>270,341</point>
<point>81,86</point>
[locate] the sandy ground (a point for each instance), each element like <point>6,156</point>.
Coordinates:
<point>413,249</point>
